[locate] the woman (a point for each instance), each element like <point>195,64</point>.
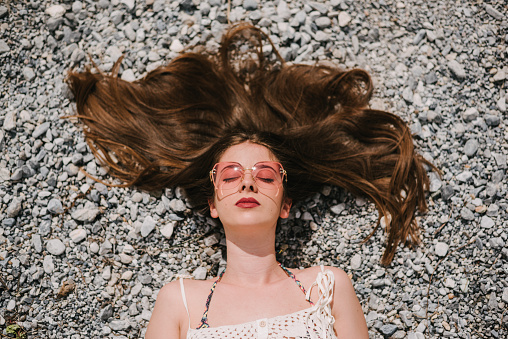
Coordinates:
<point>187,122</point>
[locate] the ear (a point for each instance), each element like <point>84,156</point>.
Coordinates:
<point>286,206</point>
<point>213,210</point>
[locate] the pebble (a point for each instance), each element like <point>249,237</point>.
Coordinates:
<point>471,147</point>
<point>40,130</point>
<point>200,273</point>
<point>441,249</point>
<point>493,12</point>
<point>55,11</point>
<point>55,206</point>
<point>119,325</point>
<point>55,246</point>
<point>249,5</point>
<point>356,262</point>
<point>167,230</point>
<point>457,70</point>
<point>4,47</point>
<point>85,214</point>
<point>28,73</point>
<point>48,265</point>
<point>14,208</point>
<point>37,243</point>
<point>487,222</point>
<point>10,121</point>
<point>388,330</point>
<point>176,46</point>
<point>78,235</point>
<point>148,226</point>
<point>344,19</point>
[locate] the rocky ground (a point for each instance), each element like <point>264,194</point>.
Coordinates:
<point>79,259</point>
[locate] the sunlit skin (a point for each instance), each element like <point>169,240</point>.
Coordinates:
<point>254,286</point>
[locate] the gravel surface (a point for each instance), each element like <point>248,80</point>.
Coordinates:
<point>82,260</point>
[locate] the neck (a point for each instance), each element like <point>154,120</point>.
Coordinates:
<point>251,259</point>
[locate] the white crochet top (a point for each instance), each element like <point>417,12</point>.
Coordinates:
<point>315,322</point>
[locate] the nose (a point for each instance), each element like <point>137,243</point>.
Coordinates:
<point>248,182</point>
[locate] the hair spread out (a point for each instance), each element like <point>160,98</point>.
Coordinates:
<point>169,128</point>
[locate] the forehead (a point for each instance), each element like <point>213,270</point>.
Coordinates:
<point>247,154</point>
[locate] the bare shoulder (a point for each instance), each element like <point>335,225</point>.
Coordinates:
<point>341,277</point>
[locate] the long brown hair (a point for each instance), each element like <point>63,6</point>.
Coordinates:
<point>169,128</point>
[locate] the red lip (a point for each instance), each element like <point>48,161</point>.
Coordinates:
<point>247,203</point>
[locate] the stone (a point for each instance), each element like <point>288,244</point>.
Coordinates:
<point>55,246</point>
<point>85,214</point>
<point>457,70</point>
<point>125,258</point>
<point>127,275</point>
<point>356,262</point>
<point>37,243</point>
<point>94,247</point>
<point>441,249</point>
<point>466,214</point>
<point>10,121</point>
<point>148,226</point>
<point>493,12</point>
<point>344,19</point>
<point>431,78</point>
<point>323,22</point>
<point>4,12</point>
<point>505,295</point>
<point>249,5</point>
<point>200,273</point>
<point>407,94</point>
<point>129,3</point>
<point>28,73</point>
<point>4,47</point>
<point>419,36</point>
<point>388,330</point>
<point>128,75</point>
<point>78,235</point>
<point>47,264</point>
<point>492,120</point>
<point>486,222</point>
<point>55,206</point>
<point>167,230</point>
<point>11,305</point>
<point>212,240</point>
<point>14,208</point>
<point>338,209</point>
<point>464,176</point>
<point>176,46</point>
<point>119,325</point>
<point>470,114</point>
<point>106,313</point>
<point>55,11</point>
<point>40,130</point>
<point>471,147</point>
<point>177,205</point>
<point>283,10</point>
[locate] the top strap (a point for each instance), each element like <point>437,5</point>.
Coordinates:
<point>292,276</point>
<point>204,318</point>
<point>322,314</point>
<point>182,290</point>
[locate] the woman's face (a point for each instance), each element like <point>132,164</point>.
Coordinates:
<point>248,201</point>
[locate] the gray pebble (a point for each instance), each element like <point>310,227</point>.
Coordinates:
<point>4,47</point>
<point>471,147</point>
<point>119,325</point>
<point>200,273</point>
<point>486,222</point>
<point>37,243</point>
<point>492,120</point>
<point>78,235</point>
<point>55,246</point>
<point>40,130</point>
<point>4,12</point>
<point>356,262</point>
<point>465,176</point>
<point>10,121</point>
<point>337,209</point>
<point>323,22</point>
<point>466,214</point>
<point>48,265</point>
<point>14,208</point>
<point>388,330</point>
<point>55,206</point>
<point>457,70</point>
<point>250,5</point>
<point>85,214</point>
<point>148,226</point>
<point>493,12</point>
<point>441,249</point>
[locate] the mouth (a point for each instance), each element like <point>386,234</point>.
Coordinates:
<point>247,203</point>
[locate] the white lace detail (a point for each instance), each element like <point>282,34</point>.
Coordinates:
<point>315,322</point>
<point>321,317</point>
